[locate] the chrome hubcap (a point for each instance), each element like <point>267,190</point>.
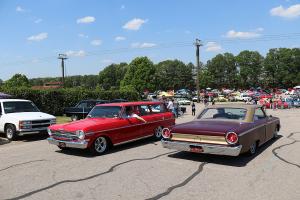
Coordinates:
<point>158,132</point>
<point>253,148</point>
<point>9,133</point>
<point>100,144</point>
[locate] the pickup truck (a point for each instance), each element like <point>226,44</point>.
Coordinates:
<point>21,117</point>
<point>82,109</point>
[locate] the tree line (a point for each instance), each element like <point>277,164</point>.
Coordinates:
<point>280,68</point>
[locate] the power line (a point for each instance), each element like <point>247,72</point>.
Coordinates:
<point>263,38</point>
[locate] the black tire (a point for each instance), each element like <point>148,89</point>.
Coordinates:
<point>253,149</point>
<point>63,148</point>
<point>100,146</point>
<point>74,118</point>
<point>10,132</point>
<point>158,133</point>
<point>275,134</point>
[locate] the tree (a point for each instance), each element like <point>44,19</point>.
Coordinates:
<point>250,65</point>
<point>111,76</point>
<point>174,74</point>
<point>282,67</point>
<point>18,80</point>
<point>140,75</point>
<point>223,70</point>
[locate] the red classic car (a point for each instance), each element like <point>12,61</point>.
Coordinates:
<point>223,129</point>
<point>112,124</point>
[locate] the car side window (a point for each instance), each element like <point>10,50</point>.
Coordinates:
<point>0,109</point>
<point>144,110</point>
<point>158,108</point>
<point>259,114</point>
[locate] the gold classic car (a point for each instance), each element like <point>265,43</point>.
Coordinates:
<point>223,129</point>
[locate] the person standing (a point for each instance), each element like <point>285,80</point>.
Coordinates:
<point>176,107</point>
<point>193,109</point>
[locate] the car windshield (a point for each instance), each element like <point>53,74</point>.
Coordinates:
<point>223,113</point>
<point>19,106</point>
<point>105,112</point>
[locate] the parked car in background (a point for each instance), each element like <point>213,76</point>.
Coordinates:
<point>243,97</point>
<point>118,100</point>
<point>113,124</point>
<point>81,110</point>
<point>21,117</point>
<point>182,101</point>
<point>223,129</point>
<point>221,98</point>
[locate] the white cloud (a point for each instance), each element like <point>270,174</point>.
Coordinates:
<point>79,53</point>
<point>213,47</point>
<point>37,21</point>
<point>83,35</point>
<point>86,20</point>
<point>122,7</point>
<point>38,37</point>
<point>96,42</point>
<point>290,12</point>
<point>134,24</point>
<point>143,45</point>
<point>20,9</point>
<point>120,38</point>
<point>243,35</point>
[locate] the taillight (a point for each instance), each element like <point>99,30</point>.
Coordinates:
<point>231,138</point>
<point>166,133</point>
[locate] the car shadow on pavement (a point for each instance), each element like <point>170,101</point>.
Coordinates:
<point>239,161</point>
<point>4,141</point>
<point>32,138</point>
<point>86,153</point>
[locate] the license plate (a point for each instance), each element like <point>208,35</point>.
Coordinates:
<point>196,149</point>
<point>62,144</point>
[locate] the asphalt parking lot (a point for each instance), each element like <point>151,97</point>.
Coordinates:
<point>30,168</point>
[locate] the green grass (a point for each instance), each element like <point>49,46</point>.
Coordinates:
<point>62,119</point>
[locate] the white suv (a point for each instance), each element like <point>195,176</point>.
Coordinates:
<point>21,117</point>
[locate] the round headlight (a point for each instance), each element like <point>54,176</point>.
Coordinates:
<point>80,134</point>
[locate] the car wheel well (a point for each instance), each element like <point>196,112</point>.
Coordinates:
<point>6,124</point>
<point>110,144</point>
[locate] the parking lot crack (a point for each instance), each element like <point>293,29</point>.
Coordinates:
<point>19,164</point>
<point>111,169</point>
<point>183,183</point>
<point>274,151</point>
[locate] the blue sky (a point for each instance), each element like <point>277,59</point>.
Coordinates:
<point>96,33</point>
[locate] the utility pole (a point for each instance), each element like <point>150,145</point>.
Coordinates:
<point>63,57</point>
<point>198,44</point>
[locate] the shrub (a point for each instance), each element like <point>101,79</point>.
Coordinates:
<point>54,101</point>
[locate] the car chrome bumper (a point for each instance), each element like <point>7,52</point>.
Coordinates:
<point>31,131</point>
<point>78,145</point>
<point>205,148</point>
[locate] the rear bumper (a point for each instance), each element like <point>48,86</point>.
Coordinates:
<point>78,144</point>
<point>205,148</point>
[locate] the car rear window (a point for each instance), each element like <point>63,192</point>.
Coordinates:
<point>223,113</point>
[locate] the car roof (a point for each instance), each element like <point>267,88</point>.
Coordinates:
<point>247,106</point>
<point>131,103</point>
<point>10,100</point>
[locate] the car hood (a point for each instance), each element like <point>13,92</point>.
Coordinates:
<point>30,116</point>
<point>86,125</point>
<point>206,127</point>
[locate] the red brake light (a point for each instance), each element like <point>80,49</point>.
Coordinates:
<point>166,133</point>
<point>231,138</point>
